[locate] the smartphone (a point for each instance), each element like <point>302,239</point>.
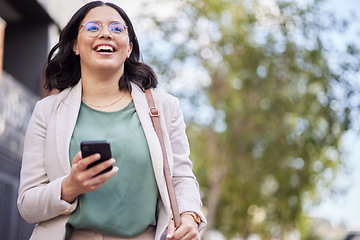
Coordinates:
<point>91,147</point>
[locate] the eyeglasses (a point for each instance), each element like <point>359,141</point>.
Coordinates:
<point>94,28</point>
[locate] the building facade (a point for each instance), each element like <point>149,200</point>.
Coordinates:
<point>24,30</point>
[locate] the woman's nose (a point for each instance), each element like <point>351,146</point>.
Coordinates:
<point>105,33</point>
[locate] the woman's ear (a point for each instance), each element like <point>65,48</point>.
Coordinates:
<point>130,49</point>
<point>76,47</point>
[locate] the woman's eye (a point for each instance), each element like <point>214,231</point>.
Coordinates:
<point>117,28</point>
<point>92,27</point>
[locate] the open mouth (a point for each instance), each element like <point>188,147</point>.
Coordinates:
<point>104,49</point>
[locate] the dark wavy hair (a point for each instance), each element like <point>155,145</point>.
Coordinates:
<point>62,68</point>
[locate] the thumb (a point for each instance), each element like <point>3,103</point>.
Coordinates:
<point>171,229</point>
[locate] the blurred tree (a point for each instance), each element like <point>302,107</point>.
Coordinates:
<point>266,109</point>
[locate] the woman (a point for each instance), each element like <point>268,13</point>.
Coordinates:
<point>96,69</point>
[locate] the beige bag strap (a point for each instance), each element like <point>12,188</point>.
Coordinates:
<point>154,114</point>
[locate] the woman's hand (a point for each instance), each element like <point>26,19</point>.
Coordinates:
<point>82,180</point>
<point>188,229</point>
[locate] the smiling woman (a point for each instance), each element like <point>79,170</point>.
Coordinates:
<point>101,83</point>
<point>103,47</point>
<point>63,69</point>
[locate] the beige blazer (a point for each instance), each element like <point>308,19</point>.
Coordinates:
<point>46,160</point>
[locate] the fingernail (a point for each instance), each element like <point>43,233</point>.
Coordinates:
<point>112,161</point>
<point>115,169</point>
<point>168,236</point>
<point>97,155</point>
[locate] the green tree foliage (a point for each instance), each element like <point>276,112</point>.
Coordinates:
<point>266,111</point>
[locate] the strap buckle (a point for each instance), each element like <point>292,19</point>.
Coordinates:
<point>154,112</point>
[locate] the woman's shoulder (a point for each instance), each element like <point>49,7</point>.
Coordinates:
<point>66,96</point>
<point>51,103</point>
<point>160,96</point>
<point>167,103</point>
<point>54,98</point>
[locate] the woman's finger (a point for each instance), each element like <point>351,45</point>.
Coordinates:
<point>188,229</point>
<point>98,168</point>
<point>84,162</point>
<point>102,178</point>
<point>77,158</point>
<point>170,230</point>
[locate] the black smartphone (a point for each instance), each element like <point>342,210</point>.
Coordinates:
<point>91,147</point>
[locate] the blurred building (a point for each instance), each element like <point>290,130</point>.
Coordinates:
<point>324,230</point>
<point>24,30</point>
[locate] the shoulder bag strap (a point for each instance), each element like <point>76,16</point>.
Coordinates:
<point>154,114</point>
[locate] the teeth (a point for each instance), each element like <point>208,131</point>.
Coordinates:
<point>104,48</point>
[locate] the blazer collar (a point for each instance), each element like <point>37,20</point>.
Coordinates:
<point>142,109</point>
<point>68,111</point>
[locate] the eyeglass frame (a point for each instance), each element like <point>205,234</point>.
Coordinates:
<point>101,28</point>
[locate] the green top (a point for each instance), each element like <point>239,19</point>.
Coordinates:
<point>125,205</point>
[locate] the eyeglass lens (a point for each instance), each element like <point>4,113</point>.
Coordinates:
<point>94,28</point>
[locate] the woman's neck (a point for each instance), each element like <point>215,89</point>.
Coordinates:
<point>101,91</point>
<point>103,86</point>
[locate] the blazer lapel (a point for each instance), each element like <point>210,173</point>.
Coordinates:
<point>65,123</point>
<point>142,110</point>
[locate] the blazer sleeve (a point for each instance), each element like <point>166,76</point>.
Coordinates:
<point>185,184</point>
<point>39,198</point>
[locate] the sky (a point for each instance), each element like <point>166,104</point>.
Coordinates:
<point>342,209</point>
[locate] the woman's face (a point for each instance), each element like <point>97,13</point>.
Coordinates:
<point>106,51</point>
